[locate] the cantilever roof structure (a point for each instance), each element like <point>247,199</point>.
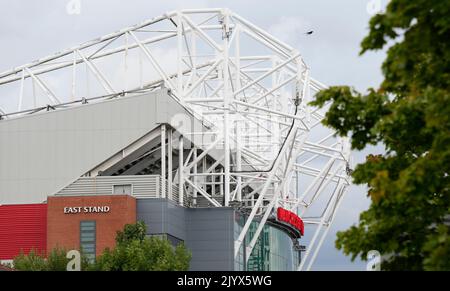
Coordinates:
<point>42,153</point>
<point>234,98</point>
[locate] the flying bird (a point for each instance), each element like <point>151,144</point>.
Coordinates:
<point>310,32</point>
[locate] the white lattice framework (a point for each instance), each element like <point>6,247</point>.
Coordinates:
<point>250,88</point>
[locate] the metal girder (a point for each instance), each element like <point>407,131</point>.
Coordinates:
<point>254,107</point>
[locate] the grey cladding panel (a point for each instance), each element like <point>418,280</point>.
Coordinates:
<point>211,229</point>
<point>42,153</point>
<point>162,217</point>
<point>208,233</point>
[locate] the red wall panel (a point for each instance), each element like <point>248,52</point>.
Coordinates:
<point>22,227</point>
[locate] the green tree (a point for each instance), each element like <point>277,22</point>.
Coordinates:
<point>132,232</point>
<point>34,261</point>
<point>408,219</point>
<point>55,261</point>
<point>136,252</point>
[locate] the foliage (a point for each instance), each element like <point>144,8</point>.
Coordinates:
<point>35,261</point>
<point>131,232</point>
<point>408,220</point>
<point>135,252</point>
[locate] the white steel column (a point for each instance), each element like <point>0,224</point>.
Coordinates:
<point>180,171</point>
<point>194,171</point>
<point>170,164</point>
<point>238,127</point>
<point>74,75</point>
<point>163,161</point>
<point>239,123</point>
<point>22,81</point>
<point>258,203</point>
<point>338,201</point>
<point>227,97</point>
<point>241,95</point>
<point>180,56</point>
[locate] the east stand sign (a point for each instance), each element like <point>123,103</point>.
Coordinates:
<point>86,209</point>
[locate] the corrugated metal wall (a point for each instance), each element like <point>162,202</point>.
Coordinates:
<point>143,186</point>
<point>22,227</point>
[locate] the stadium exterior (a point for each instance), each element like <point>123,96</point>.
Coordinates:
<point>224,154</point>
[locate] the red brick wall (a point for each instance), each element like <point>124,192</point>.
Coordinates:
<point>63,230</point>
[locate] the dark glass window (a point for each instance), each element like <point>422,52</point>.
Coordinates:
<point>274,249</point>
<point>88,239</point>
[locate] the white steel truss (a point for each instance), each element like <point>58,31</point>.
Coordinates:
<point>251,89</point>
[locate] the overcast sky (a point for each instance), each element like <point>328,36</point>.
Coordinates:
<point>33,29</point>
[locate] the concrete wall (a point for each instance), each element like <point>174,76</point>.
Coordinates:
<point>207,232</point>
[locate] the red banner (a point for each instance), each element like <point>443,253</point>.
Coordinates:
<point>290,218</point>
